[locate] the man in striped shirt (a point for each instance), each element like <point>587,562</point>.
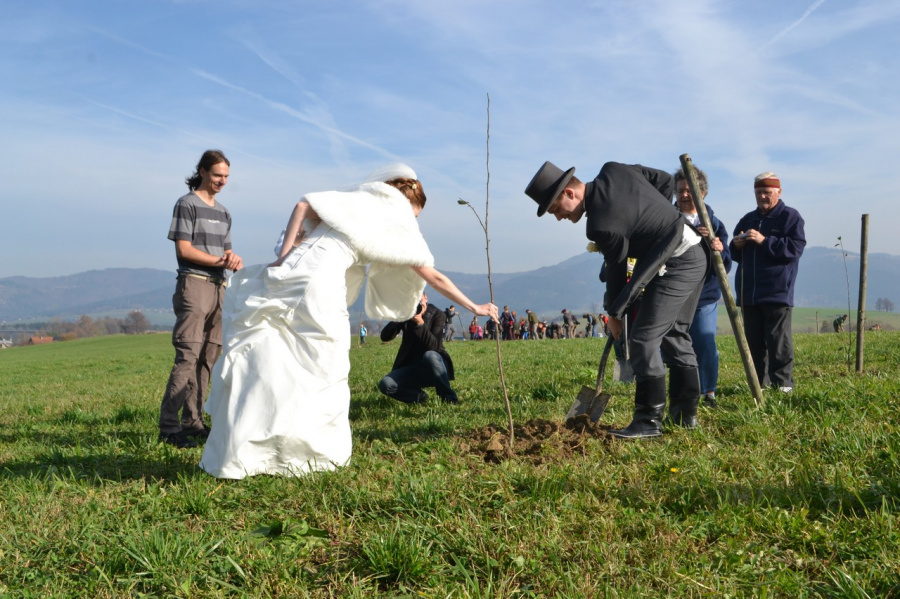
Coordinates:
<point>201,230</point>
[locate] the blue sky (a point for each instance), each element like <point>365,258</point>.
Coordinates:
<point>105,107</point>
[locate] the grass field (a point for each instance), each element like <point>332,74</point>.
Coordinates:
<point>797,499</point>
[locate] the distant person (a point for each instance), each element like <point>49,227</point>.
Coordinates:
<point>473,329</point>
<point>507,322</point>
<point>568,326</point>
<point>767,246</point>
<point>590,326</point>
<point>703,327</point>
<point>629,214</point>
<point>532,324</point>
<point>553,330</point>
<point>362,334</point>
<point>421,359</point>
<point>490,329</point>
<point>201,230</point>
<point>450,330</point>
<point>838,323</point>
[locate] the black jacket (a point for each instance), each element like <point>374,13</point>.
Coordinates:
<point>629,213</point>
<point>418,339</point>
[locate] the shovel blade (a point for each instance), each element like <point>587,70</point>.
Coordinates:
<point>589,403</point>
<point>582,403</point>
<point>599,406</point>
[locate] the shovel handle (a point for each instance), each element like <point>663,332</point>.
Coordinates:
<point>603,360</point>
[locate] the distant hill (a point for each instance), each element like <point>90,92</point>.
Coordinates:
<point>571,284</point>
<point>91,292</point>
<point>823,279</point>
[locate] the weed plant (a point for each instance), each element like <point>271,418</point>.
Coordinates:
<point>799,499</point>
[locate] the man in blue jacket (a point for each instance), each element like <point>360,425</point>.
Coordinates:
<point>703,327</point>
<point>767,246</point>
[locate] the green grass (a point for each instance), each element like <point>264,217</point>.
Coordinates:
<point>798,499</point>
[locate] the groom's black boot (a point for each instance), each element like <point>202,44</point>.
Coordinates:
<point>684,396</point>
<point>649,405</point>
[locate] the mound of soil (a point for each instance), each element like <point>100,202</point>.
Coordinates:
<point>539,441</point>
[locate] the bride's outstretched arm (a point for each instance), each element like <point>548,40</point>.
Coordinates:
<point>443,285</point>
<point>294,228</point>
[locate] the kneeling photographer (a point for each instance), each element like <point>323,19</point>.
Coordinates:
<point>421,359</point>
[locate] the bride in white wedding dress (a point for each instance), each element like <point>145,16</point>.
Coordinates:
<point>279,398</point>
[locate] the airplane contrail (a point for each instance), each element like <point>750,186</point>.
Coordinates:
<point>787,29</point>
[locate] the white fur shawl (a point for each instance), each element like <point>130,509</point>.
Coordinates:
<point>378,221</point>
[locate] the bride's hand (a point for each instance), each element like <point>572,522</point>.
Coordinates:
<point>487,310</point>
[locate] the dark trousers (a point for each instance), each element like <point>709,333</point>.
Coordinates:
<point>660,333</point>
<point>197,338</point>
<point>768,330</point>
<point>405,383</point>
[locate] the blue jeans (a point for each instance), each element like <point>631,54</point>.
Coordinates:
<point>703,339</point>
<point>405,383</point>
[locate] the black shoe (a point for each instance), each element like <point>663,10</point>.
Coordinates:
<point>197,433</point>
<point>450,398</point>
<point>649,405</point>
<point>179,440</point>
<point>639,429</point>
<point>709,400</point>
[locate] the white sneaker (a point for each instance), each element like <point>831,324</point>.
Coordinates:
<point>786,389</point>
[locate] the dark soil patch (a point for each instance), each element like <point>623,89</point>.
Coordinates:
<point>538,441</point>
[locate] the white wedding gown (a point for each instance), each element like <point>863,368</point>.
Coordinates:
<point>279,397</point>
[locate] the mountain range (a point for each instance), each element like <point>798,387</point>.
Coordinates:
<point>825,277</point>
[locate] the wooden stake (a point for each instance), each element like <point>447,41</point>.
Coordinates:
<point>863,283</point>
<point>734,315</point>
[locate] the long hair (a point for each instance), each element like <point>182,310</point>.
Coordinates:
<point>209,159</point>
<point>411,188</point>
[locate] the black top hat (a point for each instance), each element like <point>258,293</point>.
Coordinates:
<point>547,184</point>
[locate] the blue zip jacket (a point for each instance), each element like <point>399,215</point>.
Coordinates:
<point>767,272</point>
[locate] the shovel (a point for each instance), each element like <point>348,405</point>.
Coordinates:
<point>592,401</point>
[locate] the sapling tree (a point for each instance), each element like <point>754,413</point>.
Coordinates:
<point>840,244</point>
<point>487,249</point>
